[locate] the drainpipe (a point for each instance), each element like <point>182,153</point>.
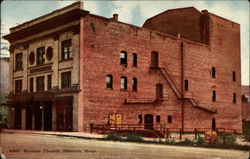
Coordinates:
<point>182,91</point>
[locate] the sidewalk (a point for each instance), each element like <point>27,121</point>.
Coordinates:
<point>58,133</point>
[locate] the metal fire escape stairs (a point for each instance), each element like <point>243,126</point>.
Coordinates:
<point>170,80</point>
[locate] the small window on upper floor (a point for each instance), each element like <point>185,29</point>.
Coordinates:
<point>234,97</point>
<point>213,72</point>
<point>123,57</point>
<point>19,61</point>
<point>134,59</point>
<point>186,85</point>
<point>109,81</point>
<point>40,58</point>
<point>234,76</point>
<point>18,86</point>
<point>40,83</point>
<point>49,82</point>
<point>214,96</point>
<point>123,83</point>
<point>66,50</point>
<point>134,84</point>
<point>66,79</point>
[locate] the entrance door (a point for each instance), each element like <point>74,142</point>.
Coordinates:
<point>48,116</point>
<point>148,121</point>
<point>213,124</point>
<point>64,116</point>
<point>29,118</point>
<point>18,118</point>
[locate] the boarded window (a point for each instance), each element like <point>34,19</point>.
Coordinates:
<point>18,86</point>
<point>40,83</point>
<point>109,81</point>
<point>40,52</point>
<point>159,91</point>
<point>134,84</point>
<point>123,83</point>
<point>19,61</point>
<point>66,49</point>
<point>66,80</point>
<point>154,59</point>
<point>123,57</point>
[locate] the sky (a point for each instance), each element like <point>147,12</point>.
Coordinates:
<point>14,13</point>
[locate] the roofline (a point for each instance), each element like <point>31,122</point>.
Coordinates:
<point>222,18</point>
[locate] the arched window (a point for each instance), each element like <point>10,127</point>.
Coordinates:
<point>134,84</point>
<point>154,59</point>
<point>109,81</point>
<point>213,72</point>
<point>214,96</point>
<point>123,83</point>
<point>234,76</point>
<point>186,85</point>
<point>134,59</point>
<point>159,91</point>
<point>234,97</point>
<point>123,57</point>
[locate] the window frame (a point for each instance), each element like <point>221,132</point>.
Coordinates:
<point>40,54</point>
<point>134,84</point>
<point>123,60</point>
<point>135,62</point>
<point>31,84</point>
<point>158,119</point>
<point>234,98</point>
<point>214,96</point>
<point>234,76</point>
<point>19,61</point>
<point>18,86</point>
<point>40,83</point>
<point>109,84</point>
<point>170,119</point>
<point>124,84</point>
<point>186,85</point>
<point>49,82</point>
<point>213,72</point>
<point>68,54</point>
<point>65,75</point>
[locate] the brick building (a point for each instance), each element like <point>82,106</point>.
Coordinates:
<point>71,68</point>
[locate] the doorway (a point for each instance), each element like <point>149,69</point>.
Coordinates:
<point>149,121</point>
<point>65,115</point>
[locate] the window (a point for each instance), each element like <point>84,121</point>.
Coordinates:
<point>214,96</point>
<point>140,118</point>
<point>32,58</point>
<point>109,81</point>
<point>19,61</point>
<point>49,82</point>
<point>49,53</point>
<point>234,76</point>
<point>186,85</point>
<point>154,59</point>
<point>169,119</point>
<point>31,84</point>
<point>18,86</point>
<point>134,59</point>
<point>40,83</point>
<point>40,55</point>
<point>159,91</point>
<point>123,83</point>
<point>123,57</point>
<point>134,84</point>
<point>66,79</point>
<point>66,50</point>
<point>158,118</point>
<point>213,73</point>
<point>234,97</point>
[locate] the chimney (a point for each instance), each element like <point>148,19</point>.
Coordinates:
<point>204,11</point>
<point>115,17</point>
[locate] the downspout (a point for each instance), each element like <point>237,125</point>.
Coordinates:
<point>182,91</point>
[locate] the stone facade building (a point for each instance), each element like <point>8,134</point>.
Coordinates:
<point>70,69</point>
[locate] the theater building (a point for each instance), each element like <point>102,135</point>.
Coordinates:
<point>70,69</point>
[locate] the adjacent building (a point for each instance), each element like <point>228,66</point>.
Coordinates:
<point>71,68</point>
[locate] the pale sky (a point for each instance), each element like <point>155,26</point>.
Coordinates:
<point>133,12</point>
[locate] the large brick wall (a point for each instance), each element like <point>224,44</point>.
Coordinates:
<point>103,41</point>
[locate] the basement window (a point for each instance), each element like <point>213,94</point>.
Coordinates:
<point>213,72</point>
<point>214,96</point>
<point>170,119</point>
<point>123,57</point>
<point>234,76</point>
<point>123,83</point>
<point>234,97</point>
<point>134,84</point>
<point>158,118</point>
<point>109,81</point>
<point>134,59</point>
<point>186,85</point>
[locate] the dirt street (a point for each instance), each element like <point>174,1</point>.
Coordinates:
<point>37,146</point>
